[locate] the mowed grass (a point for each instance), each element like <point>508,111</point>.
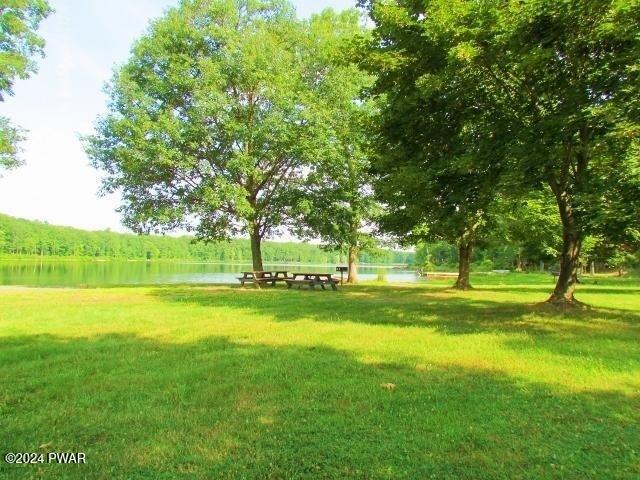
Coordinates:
<point>223,382</point>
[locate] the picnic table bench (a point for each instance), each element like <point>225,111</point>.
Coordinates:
<point>312,280</point>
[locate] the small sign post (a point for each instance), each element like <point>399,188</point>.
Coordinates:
<point>342,270</point>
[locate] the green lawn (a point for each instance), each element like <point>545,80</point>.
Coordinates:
<point>223,382</point>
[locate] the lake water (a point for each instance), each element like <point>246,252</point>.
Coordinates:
<point>80,273</point>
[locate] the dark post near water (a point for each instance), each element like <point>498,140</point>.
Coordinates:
<point>342,270</point>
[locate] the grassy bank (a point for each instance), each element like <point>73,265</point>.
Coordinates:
<point>370,382</point>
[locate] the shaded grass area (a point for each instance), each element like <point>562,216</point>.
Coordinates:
<point>222,382</point>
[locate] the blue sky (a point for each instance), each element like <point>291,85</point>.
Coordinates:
<point>85,40</point>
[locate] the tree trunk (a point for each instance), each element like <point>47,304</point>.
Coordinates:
<point>256,251</point>
<point>352,276</point>
<point>563,293</point>
<point>464,266</point>
<point>570,178</point>
<point>593,268</point>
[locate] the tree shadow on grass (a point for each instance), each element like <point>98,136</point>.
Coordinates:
<point>217,409</point>
<point>612,336</point>
<point>443,309</point>
<point>547,290</point>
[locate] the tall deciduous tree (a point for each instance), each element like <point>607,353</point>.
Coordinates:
<point>19,45</point>
<point>335,202</point>
<point>214,120</point>
<point>564,74</point>
<point>422,206</point>
<point>568,74</point>
<point>436,165</point>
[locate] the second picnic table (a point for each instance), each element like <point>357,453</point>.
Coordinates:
<point>312,280</point>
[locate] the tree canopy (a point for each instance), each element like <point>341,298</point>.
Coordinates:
<point>557,83</point>
<point>215,119</point>
<point>437,164</point>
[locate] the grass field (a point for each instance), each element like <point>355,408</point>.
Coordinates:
<point>375,381</point>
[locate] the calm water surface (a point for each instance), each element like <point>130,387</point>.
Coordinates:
<point>72,273</point>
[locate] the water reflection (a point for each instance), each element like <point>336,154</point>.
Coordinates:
<point>72,273</point>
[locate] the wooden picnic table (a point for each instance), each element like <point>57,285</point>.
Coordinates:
<point>309,279</point>
<point>312,280</point>
<point>259,277</point>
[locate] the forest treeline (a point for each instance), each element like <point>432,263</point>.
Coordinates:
<point>25,237</point>
<point>19,237</point>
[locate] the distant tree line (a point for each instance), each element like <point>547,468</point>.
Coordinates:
<point>24,237</point>
<point>20,237</point>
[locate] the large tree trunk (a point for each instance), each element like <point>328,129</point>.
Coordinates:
<point>464,266</point>
<point>256,248</point>
<point>352,276</point>
<point>563,293</point>
<point>564,183</point>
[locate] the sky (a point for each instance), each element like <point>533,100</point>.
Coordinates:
<point>85,40</point>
